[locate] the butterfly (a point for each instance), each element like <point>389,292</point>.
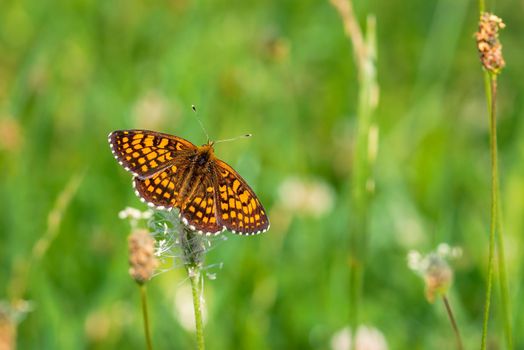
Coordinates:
<point>171,172</point>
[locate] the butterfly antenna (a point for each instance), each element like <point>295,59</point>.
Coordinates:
<point>200,122</point>
<point>235,138</point>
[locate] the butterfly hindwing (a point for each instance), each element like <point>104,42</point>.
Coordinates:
<point>199,210</point>
<point>162,189</point>
<point>145,152</point>
<point>238,207</point>
<point>179,187</point>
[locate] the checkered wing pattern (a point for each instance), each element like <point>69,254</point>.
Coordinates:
<point>144,152</point>
<point>162,189</point>
<point>239,209</point>
<point>170,172</point>
<point>199,210</point>
<point>183,187</point>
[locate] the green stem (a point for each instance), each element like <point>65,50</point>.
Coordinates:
<point>364,50</point>
<point>482,6</point>
<point>496,230</point>
<point>195,278</point>
<point>362,166</point>
<point>453,322</point>
<point>355,289</point>
<point>491,88</point>
<point>490,94</point>
<point>360,194</point>
<point>193,250</point>
<point>17,286</point>
<point>143,297</point>
<point>503,281</point>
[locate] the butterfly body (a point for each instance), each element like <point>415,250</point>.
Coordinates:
<point>204,155</point>
<point>170,172</point>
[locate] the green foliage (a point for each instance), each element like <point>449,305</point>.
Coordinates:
<point>72,71</point>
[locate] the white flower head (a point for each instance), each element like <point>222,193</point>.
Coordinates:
<point>176,246</point>
<point>135,215</point>
<point>310,197</point>
<point>434,268</point>
<point>367,338</point>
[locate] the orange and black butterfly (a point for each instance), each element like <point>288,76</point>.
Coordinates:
<point>170,172</point>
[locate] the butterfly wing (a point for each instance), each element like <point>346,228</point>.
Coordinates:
<point>162,189</point>
<point>209,200</point>
<point>181,186</point>
<point>144,152</point>
<point>199,210</point>
<point>238,208</point>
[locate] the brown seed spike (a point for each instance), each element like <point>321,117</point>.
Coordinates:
<point>488,44</point>
<point>142,259</point>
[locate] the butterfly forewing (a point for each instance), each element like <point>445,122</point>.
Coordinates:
<point>144,152</point>
<point>238,207</point>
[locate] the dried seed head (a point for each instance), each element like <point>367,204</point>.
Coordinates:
<point>488,43</point>
<point>7,332</point>
<point>142,256</point>
<point>11,314</point>
<point>438,277</point>
<point>178,246</point>
<point>434,269</point>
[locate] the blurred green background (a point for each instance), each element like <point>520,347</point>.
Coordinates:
<point>72,71</point>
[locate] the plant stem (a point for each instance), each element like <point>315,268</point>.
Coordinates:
<point>503,284</point>
<point>361,193</point>
<point>364,52</point>
<point>453,322</point>
<point>17,286</point>
<point>195,278</point>
<point>482,6</point>
<point>143,298</point>
<point>493,223</point>
<point>193,250</point>
<point>503,280</point>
